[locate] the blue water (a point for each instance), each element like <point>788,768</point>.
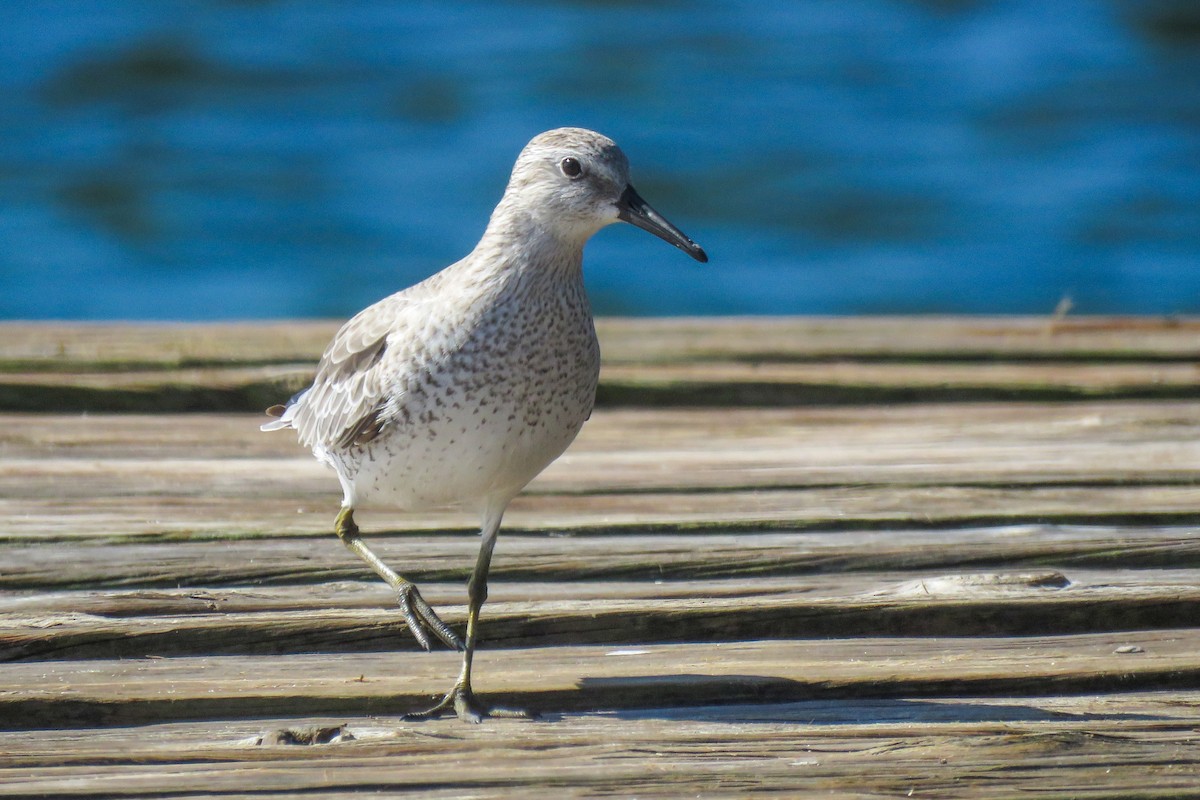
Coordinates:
<point>243,159</point>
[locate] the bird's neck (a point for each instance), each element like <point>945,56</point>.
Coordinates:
<point>528,245</point>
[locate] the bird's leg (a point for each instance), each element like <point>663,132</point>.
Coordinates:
<point>467,707</point>
<point>418,615</point>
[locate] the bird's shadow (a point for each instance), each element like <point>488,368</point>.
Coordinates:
<point>748,699</point>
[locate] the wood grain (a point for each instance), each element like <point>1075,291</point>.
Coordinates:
<point>875,557</point>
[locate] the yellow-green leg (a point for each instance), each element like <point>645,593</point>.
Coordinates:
<point>467,707</point>
<point>418,615</point>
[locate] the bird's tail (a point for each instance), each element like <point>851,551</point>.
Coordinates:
<point>284,413</point>
<point>275,424</point>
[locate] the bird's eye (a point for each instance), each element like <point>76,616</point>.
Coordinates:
<point>571,167</point>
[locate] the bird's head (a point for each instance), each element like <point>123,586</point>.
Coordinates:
<point>573,182</point>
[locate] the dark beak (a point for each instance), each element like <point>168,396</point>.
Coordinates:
<point>633,209</point>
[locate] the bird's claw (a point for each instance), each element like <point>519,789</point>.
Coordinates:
<point>468,708</point>
<point>423,620</point>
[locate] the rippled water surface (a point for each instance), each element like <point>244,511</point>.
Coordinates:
<point>212,160</point>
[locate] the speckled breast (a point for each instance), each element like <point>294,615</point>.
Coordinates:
<point>487,418</point>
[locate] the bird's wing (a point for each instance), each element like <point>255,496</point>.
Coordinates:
<point>370,359</point>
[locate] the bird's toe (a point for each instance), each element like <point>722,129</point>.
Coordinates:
<point>423,620</point>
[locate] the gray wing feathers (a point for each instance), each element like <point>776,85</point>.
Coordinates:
<point>369,366</point>
<point>349,386</point>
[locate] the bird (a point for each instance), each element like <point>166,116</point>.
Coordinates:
<point>459,390</point>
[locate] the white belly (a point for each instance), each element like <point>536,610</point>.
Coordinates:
<point>452,462</point>
<point>472,440</point>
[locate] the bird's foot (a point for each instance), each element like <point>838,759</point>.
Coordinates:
<point>468,708</point>
<point>423,620</point>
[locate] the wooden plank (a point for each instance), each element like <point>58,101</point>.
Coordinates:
<point>837,382</point>
<point>816,437</point>
<point>1138,713</point>
<point>1106,463</point>
<point>140,518</point>
<point>1126,745</point>
<point>137,691</point>
<point>833,589</point>
<point>708,384</point>
<point>623,449</point>
<point>656,362</point>
<point>78,346</point>
<point>251,389</point>
<point>353,616</point>
<point>550,555</point>
<point>928,338</point>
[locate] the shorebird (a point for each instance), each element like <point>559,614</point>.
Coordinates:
<point>460,389</point>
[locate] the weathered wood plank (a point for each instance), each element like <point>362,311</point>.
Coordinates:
<point>138,518</point>
<point>76,346</point>
<point>837,588</point>
<point>685,449</point>
<point>1143,714</point>
<point>349,617</point>
<point>550,555</point>
<point>656,362</point>
<point>136,691</point>
<point>707,384</point>
<point>927,338</point>
<point>1128,745</point>
<point>123,477</point>
<point>816,436</point>
<point>827,383</point>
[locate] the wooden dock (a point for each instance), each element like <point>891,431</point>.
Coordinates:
<point>892,557</point>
